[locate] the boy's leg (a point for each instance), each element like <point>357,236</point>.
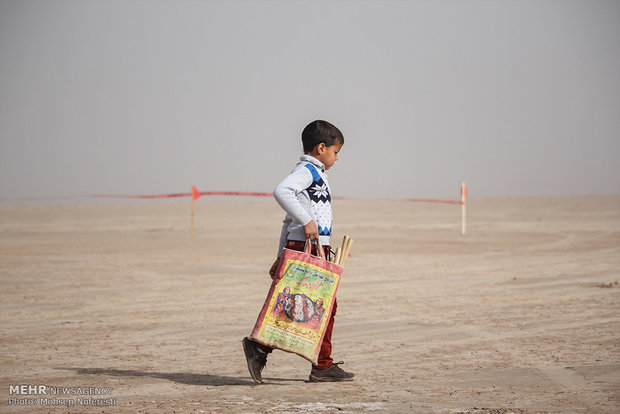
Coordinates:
<point>264,348</point>
<point>255,357</point>
<point>325,354</point>
<point>326,370</point>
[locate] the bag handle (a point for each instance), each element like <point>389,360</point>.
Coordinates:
<point>319,248</point>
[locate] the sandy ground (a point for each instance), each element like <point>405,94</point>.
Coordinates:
<point>521,315</point>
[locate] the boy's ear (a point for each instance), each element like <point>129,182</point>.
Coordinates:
<point>320,148</point>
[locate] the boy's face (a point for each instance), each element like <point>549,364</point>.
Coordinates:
<point>328,155</point>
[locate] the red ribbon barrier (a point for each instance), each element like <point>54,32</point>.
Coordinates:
<point>432,200</point>
<point>195,194</point>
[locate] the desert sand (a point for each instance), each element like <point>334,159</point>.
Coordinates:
<point>521,315</point>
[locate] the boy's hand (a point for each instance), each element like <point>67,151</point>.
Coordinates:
<point>274,268</point>
<point>311,231</point>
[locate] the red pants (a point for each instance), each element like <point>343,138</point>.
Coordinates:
<point>325,354</point>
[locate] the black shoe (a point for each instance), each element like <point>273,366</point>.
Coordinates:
<point>331,374</point>
<point>256,359</point>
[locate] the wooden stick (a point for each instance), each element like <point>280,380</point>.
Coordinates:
<point>344,244</point>
<point>346,250</point>
<point>337,258</point>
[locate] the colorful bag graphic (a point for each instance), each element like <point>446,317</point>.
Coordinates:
<point>299,302</point>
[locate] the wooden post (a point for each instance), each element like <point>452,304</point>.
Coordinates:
<point>195,195</point>
<point>193,232</point>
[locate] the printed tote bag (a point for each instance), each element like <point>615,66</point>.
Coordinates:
<point>299,303</point>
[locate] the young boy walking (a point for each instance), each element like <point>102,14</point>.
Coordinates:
<point>306,198</point>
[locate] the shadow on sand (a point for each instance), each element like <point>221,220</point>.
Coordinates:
<point>179,377</point>
<point>182,378</point>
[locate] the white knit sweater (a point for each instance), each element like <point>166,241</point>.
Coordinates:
<point>305,195</point>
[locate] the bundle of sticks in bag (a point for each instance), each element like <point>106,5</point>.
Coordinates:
<point>343,252</point>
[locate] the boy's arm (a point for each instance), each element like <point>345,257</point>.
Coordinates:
<point>286,195</point>
<point>283,235</point>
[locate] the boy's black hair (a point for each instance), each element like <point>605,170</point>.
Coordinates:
<point>317,132</point>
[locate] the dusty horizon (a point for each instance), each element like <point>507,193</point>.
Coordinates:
<point>150,97</point>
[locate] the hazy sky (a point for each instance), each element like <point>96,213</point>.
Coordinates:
<point>147,97</point>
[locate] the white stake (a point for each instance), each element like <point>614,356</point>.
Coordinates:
<point>193,233</point>
<point>195,196</point>
<point>463,208</point>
